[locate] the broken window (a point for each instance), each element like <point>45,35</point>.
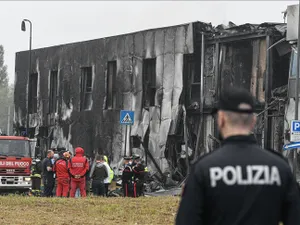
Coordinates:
<point>195,78</point>
<point>149,82</point>
<point>32,98</point>
<point>53,92</point>
<point>86,88</point>
<point>110,88</point>
<point>189,72</point>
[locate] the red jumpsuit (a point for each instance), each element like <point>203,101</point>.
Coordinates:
<point>78,166</point>
<point>63,177</point>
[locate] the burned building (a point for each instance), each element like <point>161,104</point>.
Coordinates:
<point>75,91</point>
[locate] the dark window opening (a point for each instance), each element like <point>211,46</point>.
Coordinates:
<point>86,88</point>
<point>236,69</point>
<point>110,85</point>
<point>53,92</point>
<point>135,141</point>
<point>33,81</point>
<point>190,74</point>
<point>281,66</point>
<point>149,82</point>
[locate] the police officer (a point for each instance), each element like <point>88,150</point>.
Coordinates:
<point>127,177</point>
<point>139,175</point>
<point>239,183</point>
<point>48,175</point>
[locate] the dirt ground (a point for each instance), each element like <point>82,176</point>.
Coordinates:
<point>106,211</point>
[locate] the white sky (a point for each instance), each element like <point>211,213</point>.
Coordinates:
<point>59,22</point>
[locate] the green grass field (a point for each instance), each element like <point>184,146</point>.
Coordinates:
<point>101,211</point>
<point>106,211</point>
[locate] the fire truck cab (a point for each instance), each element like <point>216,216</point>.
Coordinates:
<point>15,164</point>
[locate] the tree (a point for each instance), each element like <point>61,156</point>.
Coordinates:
<point>3,70</point>
<point>6,95</point>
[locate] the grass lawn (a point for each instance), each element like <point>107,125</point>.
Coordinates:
<point>106,211</point>
<point>102,211</point>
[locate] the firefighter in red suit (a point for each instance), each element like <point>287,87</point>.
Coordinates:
<point>78,167</point>
<point>62,176</point>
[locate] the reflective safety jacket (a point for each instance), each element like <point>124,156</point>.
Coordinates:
<point>78,165</point>
<point>36,169</point>
<point>110,172</point>
<point>61,168</point>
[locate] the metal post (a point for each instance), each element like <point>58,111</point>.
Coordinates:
<point>297,89</point>
<point>8,121</point>
<point>125,150</point>
<point>197,150</point>
<point>202,74</point>
<point>186,140</point>
<point>129,141</point>
<point>29,72</point>
<point>267,93</point>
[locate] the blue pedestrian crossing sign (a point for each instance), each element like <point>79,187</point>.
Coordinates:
<point>295,131</point>
<point>126,117</point>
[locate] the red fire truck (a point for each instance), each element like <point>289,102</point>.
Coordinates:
<point>15,164</point>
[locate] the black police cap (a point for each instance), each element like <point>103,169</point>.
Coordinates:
<point>233,99</point>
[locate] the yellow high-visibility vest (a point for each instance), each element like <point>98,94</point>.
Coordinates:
<point>105,158</point>
<point>111,172</point>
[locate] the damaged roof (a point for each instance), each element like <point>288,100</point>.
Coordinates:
<point>217,32</point>
<point>206,26</point>
<point>222,31</point>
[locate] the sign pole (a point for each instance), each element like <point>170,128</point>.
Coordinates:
<point>129,141</point>
<point>297,90</point>
<point>125,150</point>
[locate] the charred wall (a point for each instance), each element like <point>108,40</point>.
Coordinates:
<point>153,73</point>
<point>239,59</point>
<point>96,126</point>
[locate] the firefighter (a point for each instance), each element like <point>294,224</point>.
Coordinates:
<point>36,171</point>
<point>110,177</point>
<point>127,177</point>
<point>239,183</point>
<point>62,175</point>
<point>48,176</point>
<point>139,176</point>
<point>78,167</point>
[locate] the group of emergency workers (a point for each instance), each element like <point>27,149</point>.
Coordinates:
<point>66,176</point>
<point>133,176</point>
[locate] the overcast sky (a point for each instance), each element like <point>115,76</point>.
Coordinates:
<point>58,22</point>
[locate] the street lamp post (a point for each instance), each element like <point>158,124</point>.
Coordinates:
<point>23,28</point>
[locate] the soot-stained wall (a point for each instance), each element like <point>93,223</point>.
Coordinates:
<point>98,127</point>
<point>237,60</point>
